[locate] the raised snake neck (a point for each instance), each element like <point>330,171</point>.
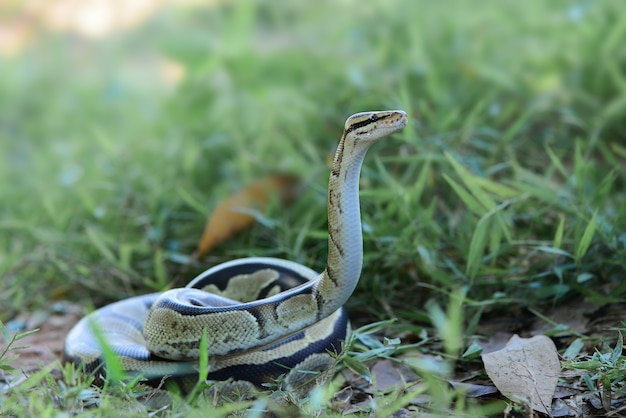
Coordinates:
<point>272,319</point>
<point>254,340</point>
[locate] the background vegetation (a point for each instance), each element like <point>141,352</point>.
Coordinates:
<point>505,192</point>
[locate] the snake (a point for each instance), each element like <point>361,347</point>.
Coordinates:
<point>259,317</point>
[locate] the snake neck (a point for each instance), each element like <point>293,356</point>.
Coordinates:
<point>345,239</point>
<point>260,323</point>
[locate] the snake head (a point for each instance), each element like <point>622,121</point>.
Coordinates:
<point>370,126</point>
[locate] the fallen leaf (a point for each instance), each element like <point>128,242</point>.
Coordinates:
<point>388,375</point>
<point>526,369</point>
<point>570,318</point>
<point>472,390</point>
<point>497,341</point>
<point>233,214</point>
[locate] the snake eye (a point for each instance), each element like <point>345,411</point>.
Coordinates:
<point>374,117</point>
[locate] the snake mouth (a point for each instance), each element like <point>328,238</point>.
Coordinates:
<point>370,126</point>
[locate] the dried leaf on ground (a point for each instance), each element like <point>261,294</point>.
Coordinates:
<point>472,390</point>
<point>233,214</point>
<point>497,341</point>
<point>388,375</point>
<point>571,317</point>
<point>527,370</point>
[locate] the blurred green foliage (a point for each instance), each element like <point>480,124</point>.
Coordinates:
<point>111,167</point>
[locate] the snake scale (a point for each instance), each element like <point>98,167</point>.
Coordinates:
<point>263,317</point>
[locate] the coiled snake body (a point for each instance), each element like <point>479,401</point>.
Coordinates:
<point>277,316</point>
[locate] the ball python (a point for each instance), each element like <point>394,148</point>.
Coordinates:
<point>262,317</point>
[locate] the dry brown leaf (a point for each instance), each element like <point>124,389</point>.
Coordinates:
<point>472,390</point>
<point>388,375</point>
<point>527,370</point>
<point>230,218</point>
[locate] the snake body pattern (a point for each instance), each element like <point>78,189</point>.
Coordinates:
<point>262,317</point>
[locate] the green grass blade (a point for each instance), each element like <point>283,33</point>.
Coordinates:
<point>586,239</point>
<point>556,161</point>
<point>99,243</point>
<point>470,182</point>
<point>115,373</point>
<point>502,191</point>
<point>558,235</point>
<point>480,237</point>
<point>471,203</point>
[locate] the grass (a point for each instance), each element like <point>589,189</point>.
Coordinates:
<point>505,191</point>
